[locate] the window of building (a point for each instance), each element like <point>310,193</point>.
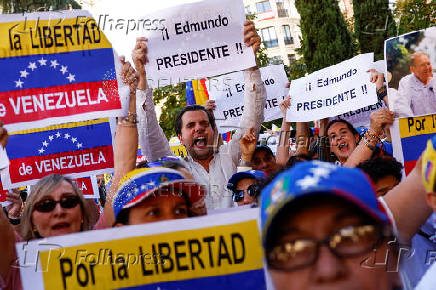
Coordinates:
<point>279,1</point>
<point>263,6</point>
<point>275,60</point>
<point>269,37</point>
<point>287,34</point>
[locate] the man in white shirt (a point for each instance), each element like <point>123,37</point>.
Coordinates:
<point>416,91</point>
<point>212,166</point>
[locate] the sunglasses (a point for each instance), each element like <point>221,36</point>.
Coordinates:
<point>47,205</point>
<point>252,190</point>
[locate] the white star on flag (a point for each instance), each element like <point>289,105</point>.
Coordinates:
<point>64,69</point>
<point>67,135</point>
<point>23,73</point>
<point>19,83</point>
<point>73,139</point>
<point>143,187</point>
<point>51,137</point>
<point>320,172</point>
<point>79,145</point>
<point>58,135</point>
<point>41,150</point>
<point>32,66</point>
<point>307,182</point>
<point>151,183</point>
<point>54,63</point>
<point>45,143</point>
<point>71,78</point>
<point>42,61</point>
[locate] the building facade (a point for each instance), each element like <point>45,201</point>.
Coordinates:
<point>277,22</point>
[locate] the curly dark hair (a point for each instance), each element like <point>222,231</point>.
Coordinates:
<point>380,167</point>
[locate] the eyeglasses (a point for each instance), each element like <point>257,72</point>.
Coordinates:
<point>47,205</point>
<point>252,190</point>
<point>348,242</point>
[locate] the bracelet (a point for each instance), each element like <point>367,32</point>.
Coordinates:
<point>368,143</point>
<point>244,163</point>
<point>127,123</point>
<point>382,92</point>
<point>372,136</point>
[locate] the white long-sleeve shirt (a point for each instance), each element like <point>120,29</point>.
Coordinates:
<point>414,98</point>
<point>223,165</point>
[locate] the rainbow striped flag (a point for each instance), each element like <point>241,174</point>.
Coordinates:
<point>78,149</point>
<point>55,70</point>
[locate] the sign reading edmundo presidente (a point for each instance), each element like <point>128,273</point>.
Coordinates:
<point>199,39</point>
<point>220,251</point>
<point>333,91</point>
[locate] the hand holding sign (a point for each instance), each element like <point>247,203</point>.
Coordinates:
<point>251,38</point>
<point>284,106</point>
<point>140,59</point>
<point>380,119</point>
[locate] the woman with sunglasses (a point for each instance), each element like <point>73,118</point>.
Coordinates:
<point>55,207</point>
<point>246,186</point>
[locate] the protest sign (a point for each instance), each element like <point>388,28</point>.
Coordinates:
<point>179,150</point>
<point>361,117</point>
<point>410,60</point>
<point>228,92</point>
<point>188,44</point>
<point>56,67</point>
<point>333,90</point>
<point>76,149</point>
<point>88,186</point>
<point>409,138</point>
<point>213,252</point>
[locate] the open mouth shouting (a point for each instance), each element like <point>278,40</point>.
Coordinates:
<point>200,142</point>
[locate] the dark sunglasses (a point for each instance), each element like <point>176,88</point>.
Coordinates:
<point>252,190</point>
<point>47,205</point>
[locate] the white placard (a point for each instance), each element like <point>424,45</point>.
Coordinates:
<point>199,39</point>
<point>333,90</point>
<point>361,117</point>
<point>228,93</point>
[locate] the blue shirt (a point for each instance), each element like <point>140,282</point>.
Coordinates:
<point>414,264</point>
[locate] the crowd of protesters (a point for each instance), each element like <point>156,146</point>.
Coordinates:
<point>324,206</point>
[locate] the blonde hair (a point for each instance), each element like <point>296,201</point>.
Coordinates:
<point>42,188</point>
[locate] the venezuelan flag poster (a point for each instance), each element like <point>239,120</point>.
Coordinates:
<point>409,138</point>
<point>78,149</point>
<point>56,67</point>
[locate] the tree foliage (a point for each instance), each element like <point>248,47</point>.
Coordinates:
<point>415,14</point>
<point>21,6</point>
<point>325,37</point>
<point>373,24</point>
